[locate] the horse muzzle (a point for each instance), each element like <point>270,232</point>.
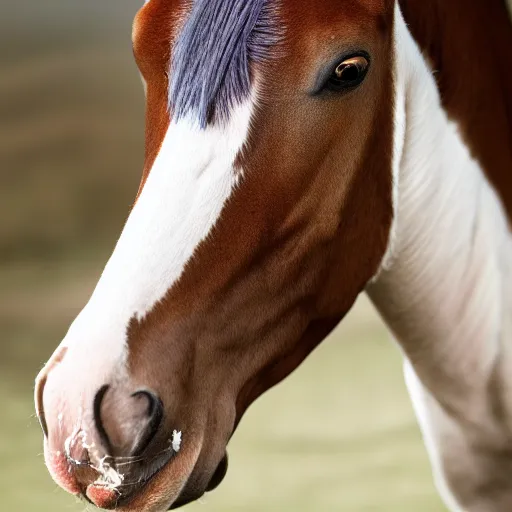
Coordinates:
<point>117,448</point>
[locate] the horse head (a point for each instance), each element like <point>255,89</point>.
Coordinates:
<point>265,208</point>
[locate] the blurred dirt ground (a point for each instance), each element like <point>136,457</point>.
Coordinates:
<point>339,435</point>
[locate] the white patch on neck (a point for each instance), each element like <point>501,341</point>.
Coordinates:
<point>450,231</point>
<point>192,178</point>
<point>444,287</point>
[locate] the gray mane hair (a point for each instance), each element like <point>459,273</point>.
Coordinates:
<point>210,64</point>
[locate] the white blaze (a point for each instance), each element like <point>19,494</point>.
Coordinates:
<point>187,188</point>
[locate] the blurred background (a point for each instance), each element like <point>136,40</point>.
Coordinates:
<point>339,435</point>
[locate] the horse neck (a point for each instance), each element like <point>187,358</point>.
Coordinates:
<point>443,288</point>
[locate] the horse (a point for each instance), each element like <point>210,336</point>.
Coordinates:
<point>297,155</point>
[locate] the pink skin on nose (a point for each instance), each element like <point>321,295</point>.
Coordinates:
<point>62,473</point>
<point>59,468</point>
<point>102,497</point>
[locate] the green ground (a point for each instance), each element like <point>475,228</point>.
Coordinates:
<point>339,435</point>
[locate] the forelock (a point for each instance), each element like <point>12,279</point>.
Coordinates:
<point>210,65</point>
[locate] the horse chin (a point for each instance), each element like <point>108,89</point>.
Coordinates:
<point>192,493</point>
<point>219,475</point>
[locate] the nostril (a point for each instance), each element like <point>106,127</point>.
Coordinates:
<point>126,423</point>
<point>100,428</point>
<point>155,413</point>
<point>155,406</point>
<point>154,403</point>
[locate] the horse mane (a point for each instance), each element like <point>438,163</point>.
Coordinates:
<point>210,62</point>
<point>470,47</point>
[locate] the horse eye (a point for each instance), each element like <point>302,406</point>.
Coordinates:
<point>348,74</point>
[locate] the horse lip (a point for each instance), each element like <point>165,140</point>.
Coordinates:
<point>166,482</point>
<point>218,476</point>
<point>137,486</point>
